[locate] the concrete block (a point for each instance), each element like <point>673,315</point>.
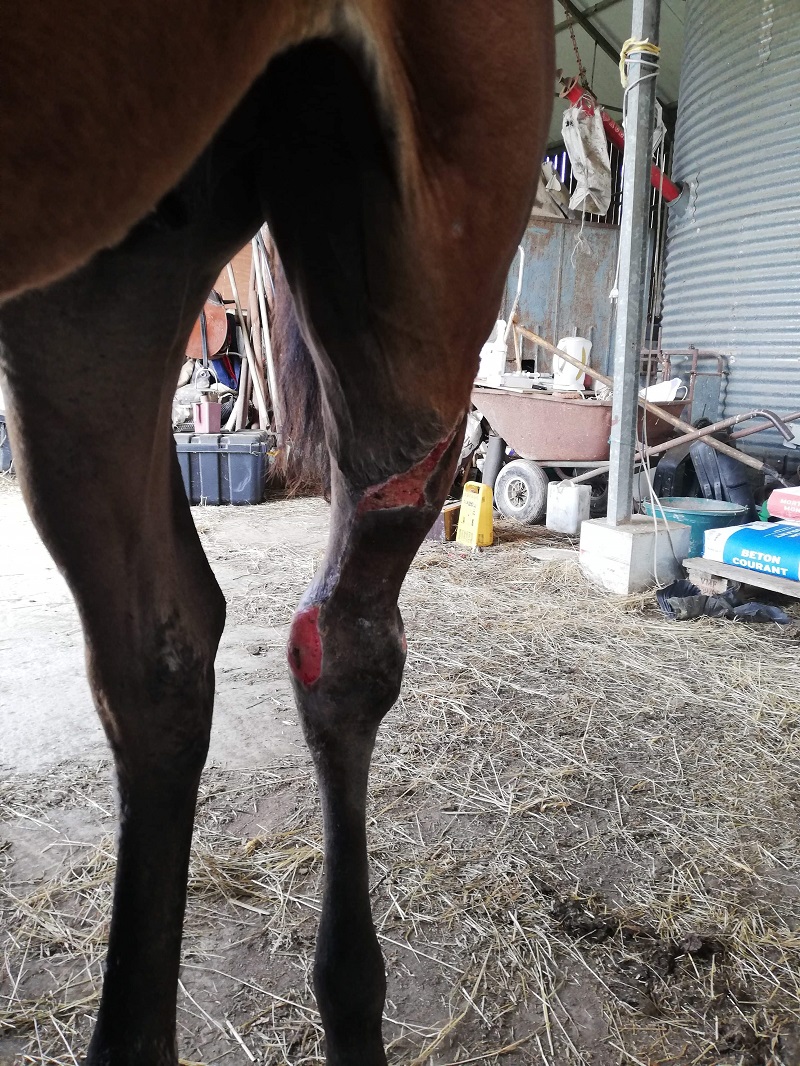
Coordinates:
<point>626,559</point>
<point>568,506</point>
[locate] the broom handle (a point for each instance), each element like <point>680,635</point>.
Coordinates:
<point>265,335</point>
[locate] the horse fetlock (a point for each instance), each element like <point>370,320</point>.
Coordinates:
<point>349,978</point>
<point>351,1006</point>
<point>108,1050</point>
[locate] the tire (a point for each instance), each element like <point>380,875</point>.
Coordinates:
<point>598,504</point>
<point>520,491</point>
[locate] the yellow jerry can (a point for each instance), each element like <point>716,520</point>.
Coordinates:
<point>475,529</point>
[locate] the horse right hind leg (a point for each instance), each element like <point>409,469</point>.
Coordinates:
<point>89,392</point>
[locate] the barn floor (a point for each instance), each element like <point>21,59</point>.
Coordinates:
<point>584,823</point>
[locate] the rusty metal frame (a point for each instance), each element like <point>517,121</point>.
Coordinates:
<point>663,357</point>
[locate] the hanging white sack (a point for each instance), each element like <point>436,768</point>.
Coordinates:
<point>585,141</point>
<point>552,199</point>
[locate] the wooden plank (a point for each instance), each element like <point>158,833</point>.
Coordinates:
<point>241,263</point>
<point>714,568</point>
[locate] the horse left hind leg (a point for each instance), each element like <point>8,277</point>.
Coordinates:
<point>88,380</point>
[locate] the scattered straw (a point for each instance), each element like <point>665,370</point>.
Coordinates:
<point>583,832</point>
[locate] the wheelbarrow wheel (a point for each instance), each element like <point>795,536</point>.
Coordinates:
<point>520,491</point>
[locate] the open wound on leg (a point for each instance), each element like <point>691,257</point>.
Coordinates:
<point>406,489</point>
<point>305,646</point>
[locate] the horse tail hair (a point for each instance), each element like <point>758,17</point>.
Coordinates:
<point>303,459</point>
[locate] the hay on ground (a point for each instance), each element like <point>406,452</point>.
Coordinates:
<point>583,832</point>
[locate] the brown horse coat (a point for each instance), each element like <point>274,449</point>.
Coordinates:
<point>393,146</point>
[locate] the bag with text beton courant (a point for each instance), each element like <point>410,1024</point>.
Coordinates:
<point>763,547</point>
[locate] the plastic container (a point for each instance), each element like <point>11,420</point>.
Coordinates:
<point>699,515</point>
<point>5,445</point>
<point>475,523</point>
<point>568,506</point>
<point>566,377</point>
<point>665,391</point>
<point>207,416</point>
<point>494,354</point>
<point>222,468</point>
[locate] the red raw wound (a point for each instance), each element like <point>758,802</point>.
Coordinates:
<point>305,646</point>
<point>406,489</point>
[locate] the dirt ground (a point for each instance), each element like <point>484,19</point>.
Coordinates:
<point>583,826</point>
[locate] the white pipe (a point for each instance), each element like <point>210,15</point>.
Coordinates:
<point>515,304</point>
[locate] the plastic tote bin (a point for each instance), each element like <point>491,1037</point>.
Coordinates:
<point>222,468</point>
<point>5,445</point>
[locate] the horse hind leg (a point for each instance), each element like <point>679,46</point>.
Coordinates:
<point>394,305</point>
<point>111,509</point>
<point>346,651</point>
<point>108,506</point>
<point>90,366</point>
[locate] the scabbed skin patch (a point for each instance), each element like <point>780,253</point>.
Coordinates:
<point>304,651</point>
<point>407,489</point>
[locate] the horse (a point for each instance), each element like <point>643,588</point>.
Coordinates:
<point>393,149</point>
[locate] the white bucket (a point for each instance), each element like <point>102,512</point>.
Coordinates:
<point>566,377</point>
<point>665,391</point>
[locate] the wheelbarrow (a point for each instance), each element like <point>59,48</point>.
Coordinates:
<point>562,436</point>
<point>552,436</point>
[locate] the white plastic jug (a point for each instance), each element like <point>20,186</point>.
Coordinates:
<point>566,377</point>
<point>494,354</point>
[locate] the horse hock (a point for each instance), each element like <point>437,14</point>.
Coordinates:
<point>346,652</point>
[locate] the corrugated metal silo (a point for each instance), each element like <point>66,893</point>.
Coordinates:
<point>733,250</point>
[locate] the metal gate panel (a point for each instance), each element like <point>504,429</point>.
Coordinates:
<point>569,273</point>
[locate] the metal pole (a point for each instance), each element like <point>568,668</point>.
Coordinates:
<point>640,100</point>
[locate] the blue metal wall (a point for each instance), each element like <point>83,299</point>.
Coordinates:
<point>569,273</point>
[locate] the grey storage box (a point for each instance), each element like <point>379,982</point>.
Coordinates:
<point>221,468</point>
<point>5,445</point>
